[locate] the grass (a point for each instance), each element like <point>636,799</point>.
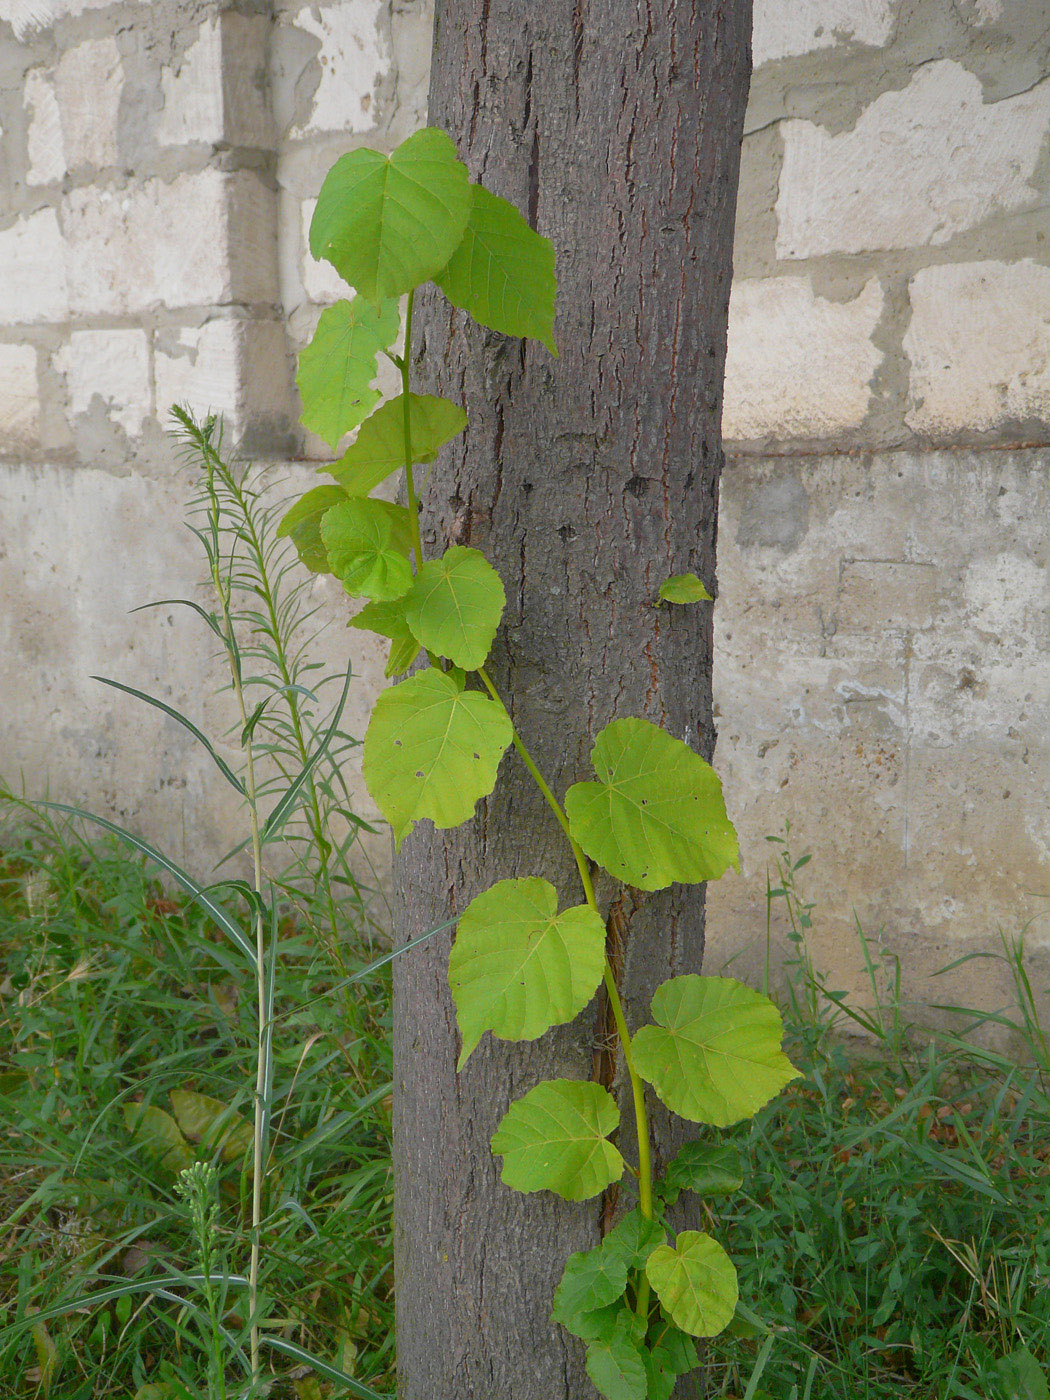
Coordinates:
<point>891,1232</point>
<point>892,1228</point>
<point>114,995</point>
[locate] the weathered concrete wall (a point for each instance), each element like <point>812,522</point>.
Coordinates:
<point>885,595</point>
<point>884,598</point>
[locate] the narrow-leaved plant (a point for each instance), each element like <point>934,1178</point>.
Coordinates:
<point>653,813</point>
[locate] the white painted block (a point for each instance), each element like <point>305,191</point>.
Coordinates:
<point>192,91</point>
<point>920,166</point>
<point>218,90</point>
<point>89,81</point>
<point>19,398</point>
<point>158,245</point>
<point>32,271</point>
<point>798,365</point>
<point>112,366</point>
<point>201,369</point>
<point>354,56</point>
<point>29,17</point>
<point>788,28</point>
<point>47,156</point>
<point>979,346</point>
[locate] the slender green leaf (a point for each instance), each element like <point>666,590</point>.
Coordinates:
<point>503,272</point>
<point>302,525</point>
<point>432,750</point>
<point>656,814</point>
<point>695,1282</point>
<point>556,1139</point>
<point>388,620</point>
<point>197,892</point>
<point>714,1055</point>
<point>454,606</point>
<point>337,368</point>
<point>519,967</point>
<point>220,763</point>
<point>287,804</point>
<point>684,588</point>
<point>389,223</point>
<point>379,448</point>
<point>323,1368</point>
<point>209,618</point>
<point>359,537</point>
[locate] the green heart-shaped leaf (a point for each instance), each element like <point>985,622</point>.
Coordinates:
<point>388,620</point>
<point>656,814</point>
<point>337,368</point>
<point>519,967</point>
<point>615,1365</point>
<point>432,750</point>
<point>503,272</point>
<point>556,1139</point>
<point>684,588</point>
<point>707,1169</point>
<point>388,223</point>
<point>592,1283</point>
<point>633,1239</point>
<point>695,1282</point>
<point>455,606</point>
<point>358,535</point>
<point>379,448</point>
<point>302,525</point>
<point>714,1055</point>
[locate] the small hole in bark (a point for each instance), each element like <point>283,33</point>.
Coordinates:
<point>637,487</point>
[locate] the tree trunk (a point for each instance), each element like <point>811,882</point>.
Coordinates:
<point>615,127</point>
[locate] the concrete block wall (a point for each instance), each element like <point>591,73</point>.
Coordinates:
<point>884,595</point>
<point>884,610</point>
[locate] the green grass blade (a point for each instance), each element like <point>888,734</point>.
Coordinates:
<point>324,1368</point>
<point>196,892</point>
<point>223,767</point>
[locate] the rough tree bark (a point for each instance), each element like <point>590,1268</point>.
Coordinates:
<point>615,126</point>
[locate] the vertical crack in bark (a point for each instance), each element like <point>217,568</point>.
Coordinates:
<point>577,54</point>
